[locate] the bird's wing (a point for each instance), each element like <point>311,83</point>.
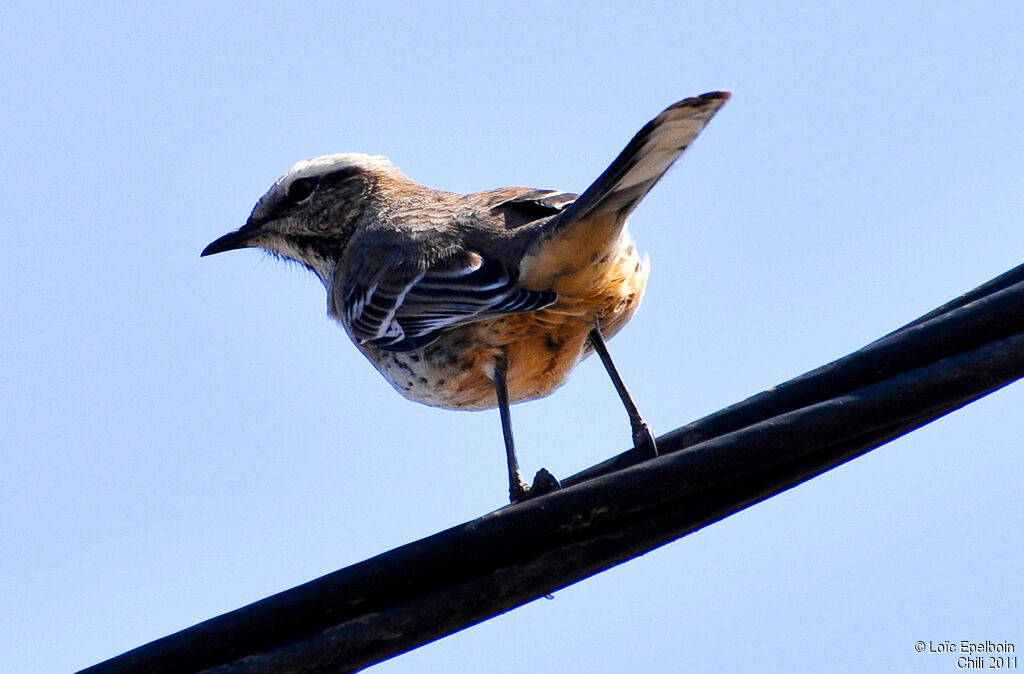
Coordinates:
<point>514,207</point>
<point>532,202</point>
<point>644,160</point>
<point>398,304</point>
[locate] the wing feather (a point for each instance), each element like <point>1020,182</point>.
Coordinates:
<point>399,310</point>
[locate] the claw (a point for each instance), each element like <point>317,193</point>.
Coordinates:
<point>644,441</point>
<point>518,490</point>
<point>543,483</point>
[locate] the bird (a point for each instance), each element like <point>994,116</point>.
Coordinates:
<point>482,300</point>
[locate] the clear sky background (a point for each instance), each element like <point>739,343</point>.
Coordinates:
<point>180,437</point>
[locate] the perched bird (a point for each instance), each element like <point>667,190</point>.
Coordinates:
<point>481,300</point>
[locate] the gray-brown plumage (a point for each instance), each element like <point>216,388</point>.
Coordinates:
<point>459,299</point>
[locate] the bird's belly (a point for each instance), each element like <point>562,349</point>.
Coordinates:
<point>457,371</point>
<point>541,347</point>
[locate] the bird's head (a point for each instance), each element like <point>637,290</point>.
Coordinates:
<point>311,211</point>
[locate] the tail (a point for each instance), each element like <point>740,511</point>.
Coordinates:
<point>604,205</point>
<point>647,157</point>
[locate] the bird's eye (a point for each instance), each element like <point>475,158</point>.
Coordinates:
<point>301,188</point>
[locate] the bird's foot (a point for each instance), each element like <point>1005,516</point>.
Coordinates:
<point>643,439</point>
<point>518,490</point>
<point>543,483</point>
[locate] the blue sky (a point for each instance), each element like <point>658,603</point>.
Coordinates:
<point>180,437</point>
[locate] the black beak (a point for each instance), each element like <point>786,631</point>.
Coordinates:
<point>240,238</point>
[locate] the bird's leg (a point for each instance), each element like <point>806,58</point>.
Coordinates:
<point>517,488</point>
<point>643,439</point>
<point>544,481</point>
